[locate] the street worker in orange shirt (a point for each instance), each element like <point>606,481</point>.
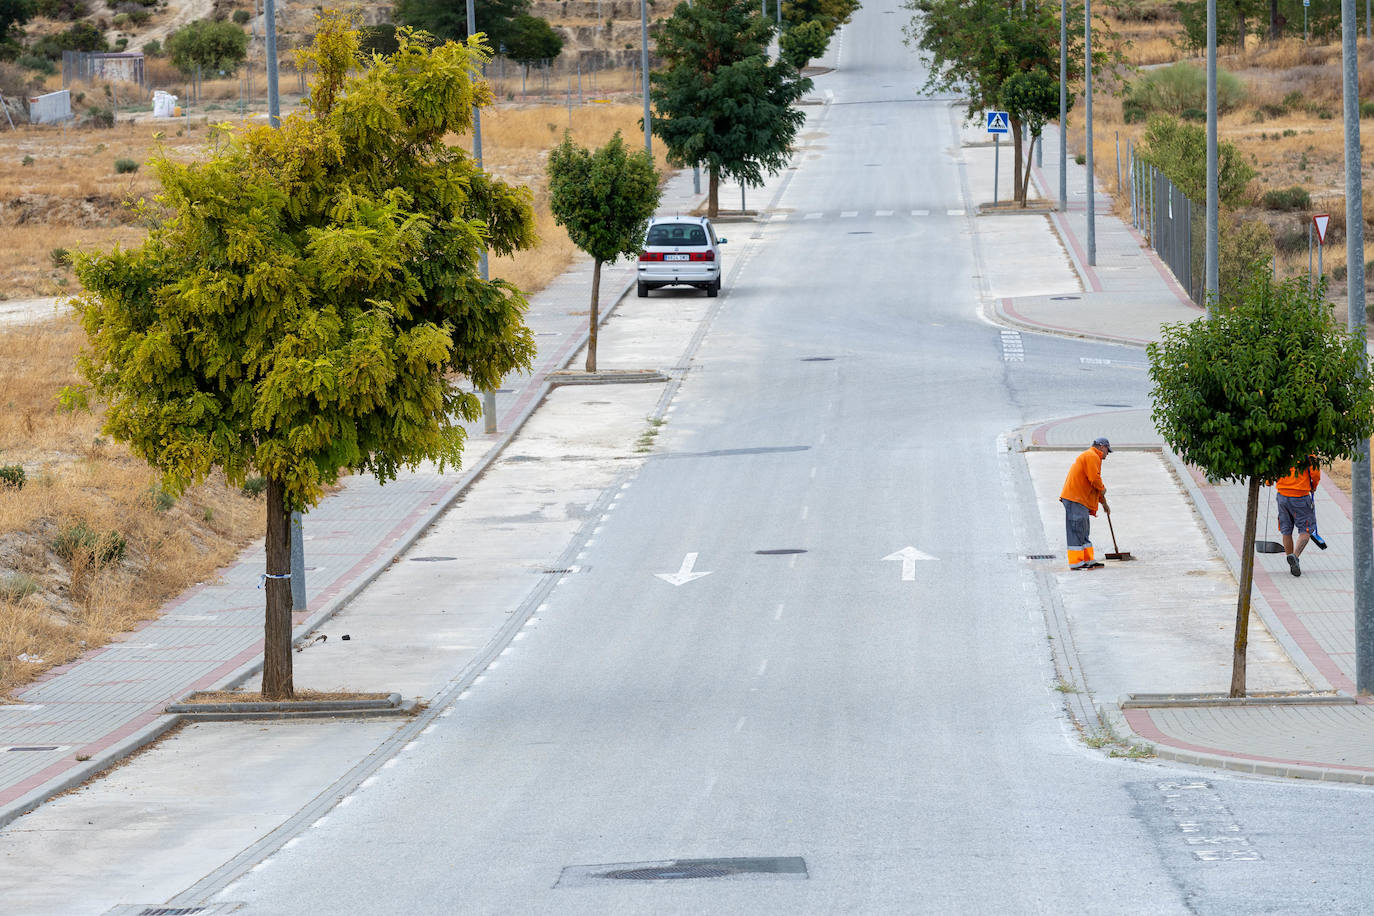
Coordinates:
<point>1083,492</point>
<point>1298,509</point>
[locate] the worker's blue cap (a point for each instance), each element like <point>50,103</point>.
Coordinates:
<point>1101,442</point>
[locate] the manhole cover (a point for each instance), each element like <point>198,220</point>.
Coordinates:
<point>779,551</point>
<point>431,559</point>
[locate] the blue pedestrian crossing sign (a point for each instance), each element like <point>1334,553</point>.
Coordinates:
<point>998,122</point>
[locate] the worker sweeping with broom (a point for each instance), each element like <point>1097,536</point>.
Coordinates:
<point>1083,492</point>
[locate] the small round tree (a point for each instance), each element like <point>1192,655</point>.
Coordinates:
<point>604,200</point>
<point>1268,384</point>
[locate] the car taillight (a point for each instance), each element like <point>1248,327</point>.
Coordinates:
<point>651,256</point>
<point>704,256</point>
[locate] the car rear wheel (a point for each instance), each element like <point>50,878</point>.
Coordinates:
<point>643,289</point>
<point>713,288</point>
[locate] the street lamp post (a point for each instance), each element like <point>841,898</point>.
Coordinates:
<point>1063,105</point>
<point>1362,528</point>
<point>1088,117</point>
<point>644,68</point>
<point>488,397</point>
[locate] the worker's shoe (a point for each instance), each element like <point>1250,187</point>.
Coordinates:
<point>1293,566</point>
<point>1094,564</point>
<point>1318,540</point>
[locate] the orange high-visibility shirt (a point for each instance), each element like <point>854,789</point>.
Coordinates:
<point>1299,482</point>
<point>1084,484</point>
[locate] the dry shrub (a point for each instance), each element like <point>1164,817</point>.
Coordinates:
<point>78,478</point>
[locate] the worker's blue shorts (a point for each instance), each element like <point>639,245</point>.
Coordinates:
<point>1297,512</point>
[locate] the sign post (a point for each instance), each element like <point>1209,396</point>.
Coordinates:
<point>998,123</point>
<point>1320,221</point>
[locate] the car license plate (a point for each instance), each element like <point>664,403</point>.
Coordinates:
<point>677,257</point>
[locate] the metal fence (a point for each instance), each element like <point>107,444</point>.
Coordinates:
<point>89,65</point>
<point>1170,223</point>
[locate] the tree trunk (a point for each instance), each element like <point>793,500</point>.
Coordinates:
<point>1273,20</point>
<point>1030,161</point>
<point>1247,578</point>
<point>1018,188</point>
<point>596,315</point>
<point>1240,32</point>
<point>713,194</point>
<point>276,639</point>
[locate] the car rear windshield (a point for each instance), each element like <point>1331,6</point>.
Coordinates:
<point>676,234</point>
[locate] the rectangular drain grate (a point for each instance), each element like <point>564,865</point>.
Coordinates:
<point>782,867</point>
<point>1042,556</point>
<point>143,909</point>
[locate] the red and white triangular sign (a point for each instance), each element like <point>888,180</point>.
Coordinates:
<point>1320,220</point>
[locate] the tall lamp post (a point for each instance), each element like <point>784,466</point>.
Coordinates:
<point>1211,271</point>
<point>644,68</point>
<point>1362,528</point>
<point>1088,117</point>
<point>488,397</point>
<point>1063,105</point>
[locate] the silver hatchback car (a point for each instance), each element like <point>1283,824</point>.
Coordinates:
<point>680,251</point>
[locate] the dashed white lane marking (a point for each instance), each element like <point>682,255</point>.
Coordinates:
<point>320,822</point>
<point>521,635</point>
<point>813,473</point>
<point>291,842</point>
<point>739,726</point>
<point>883,213</point>
<point>367,782</point>
<point>763,667</point>
<point>920,212</point>
<point>390,763</point>
<point>813,216</point>
<point>777,615</point>
<point>848,214</point>
<point>804,511</point>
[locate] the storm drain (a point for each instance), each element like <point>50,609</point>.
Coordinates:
<point>787,867</point>
<point>818,359</point>
<point>1042,556</point>
<point>782,551</point>
<point>138,909</point>
<point>431,559</point>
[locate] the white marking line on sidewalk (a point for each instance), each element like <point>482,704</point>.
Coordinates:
<point>19,707</point>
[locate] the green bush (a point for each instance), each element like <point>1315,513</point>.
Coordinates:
<point>254,487</point>
<point>77,540</point>
<point>1293,100</point>
<point>27,160</point>
<point>1182,87</point>
<point>12,476</point>
<point>152,48</point>
<point>1180,151</point>
<point>161,499</point>
<point>1294,198</point>
<point>125,166</point>
<point>60,257</point>
<point>1291,238</point>
<point>16,585</point>
<point>241,17</point>
<point>1197,115</point>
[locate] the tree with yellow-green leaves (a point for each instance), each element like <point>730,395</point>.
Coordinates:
<point>308,300</point>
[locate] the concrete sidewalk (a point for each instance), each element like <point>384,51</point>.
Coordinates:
<point>79,718</point>
<point>1314,728</point>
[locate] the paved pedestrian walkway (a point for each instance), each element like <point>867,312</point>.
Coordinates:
<point>1126,297</point>
<point>80,717</point>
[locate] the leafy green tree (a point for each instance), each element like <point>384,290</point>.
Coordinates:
<point>604,200</point>
<point>532,40</point>
<point>1030,97</point>
<point>804,43</point>
<point>829,13</point>
<point>974,46</point>
<point>211,46</point>
<point>1179,150</point>
<point>447,20</point>
<point>719,102</point>
<point>13,15</point>
<point>308,299</point>
<point>1269,384</point>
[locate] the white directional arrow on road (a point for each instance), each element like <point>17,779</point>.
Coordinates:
<point>909,556</point>
<point>685,574</point>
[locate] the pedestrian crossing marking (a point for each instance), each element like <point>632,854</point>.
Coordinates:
<point>848,214</point>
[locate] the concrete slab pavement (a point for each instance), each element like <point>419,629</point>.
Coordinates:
<point>1125,298</point>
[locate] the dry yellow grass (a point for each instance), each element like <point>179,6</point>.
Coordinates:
<point>54,607</point>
